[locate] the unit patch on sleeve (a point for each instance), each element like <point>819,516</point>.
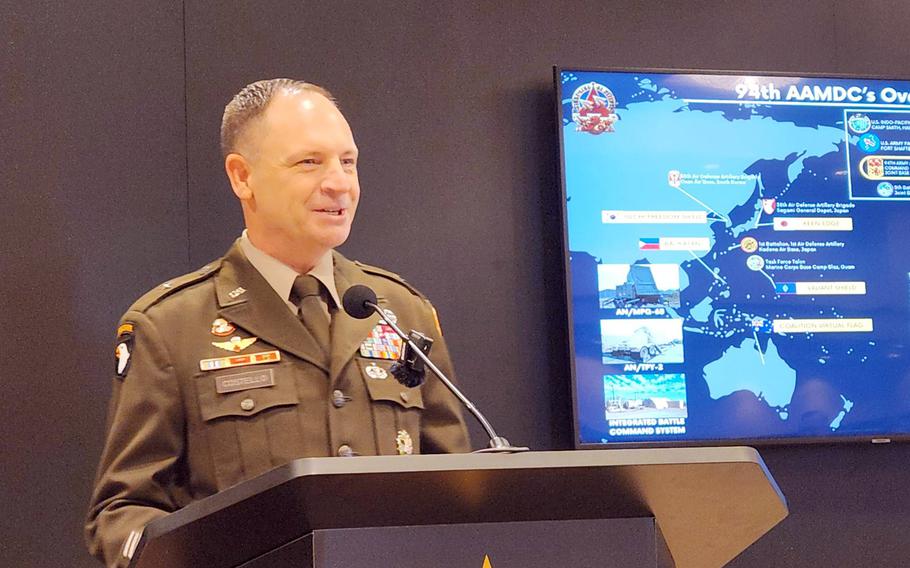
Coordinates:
<point>123,353</point>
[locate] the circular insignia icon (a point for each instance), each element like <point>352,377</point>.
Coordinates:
<point>593,108</point>
<point>885,189</point>
<point>859,123</point>
<point>374,371</point>
<point>755,262</point>
<point>222,328</point>
<point>748,244</point>
<point>869,143</point>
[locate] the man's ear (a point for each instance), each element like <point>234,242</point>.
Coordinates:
<point>238,171</point>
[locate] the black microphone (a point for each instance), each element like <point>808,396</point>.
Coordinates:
<point>360,302</point>
<point>357,300</point>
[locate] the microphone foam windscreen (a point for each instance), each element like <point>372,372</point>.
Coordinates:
<point>355,301</point>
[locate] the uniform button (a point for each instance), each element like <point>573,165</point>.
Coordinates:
<point>338,398</point>
<point>345,451</point>
<point>247,404</point>
<point>405,396</point>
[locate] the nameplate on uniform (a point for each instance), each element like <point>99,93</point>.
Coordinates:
<point>245,381</point>
<point>240,360</point>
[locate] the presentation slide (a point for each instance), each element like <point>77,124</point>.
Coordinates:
<point>738,263</point>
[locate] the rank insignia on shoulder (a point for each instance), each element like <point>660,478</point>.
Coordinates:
<point>123,353</point>
<point>236,344</point>
<point>404,444</point>
<point>222,328</point>
<point>382,343</point>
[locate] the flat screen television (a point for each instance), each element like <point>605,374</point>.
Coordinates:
<point>737,256</point>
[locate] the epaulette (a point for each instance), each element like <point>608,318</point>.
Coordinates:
<point>391,276</point>
<point>165,289</point>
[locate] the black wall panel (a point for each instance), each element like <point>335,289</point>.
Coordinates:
<point>94,212</point>
<point>113,182</point>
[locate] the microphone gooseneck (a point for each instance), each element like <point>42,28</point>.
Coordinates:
<point>360,302</point>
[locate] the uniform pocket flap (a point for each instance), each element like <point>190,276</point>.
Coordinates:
<point>244,393</point>
<point>383,386</point>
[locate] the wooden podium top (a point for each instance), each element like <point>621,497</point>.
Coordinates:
<point>710,503</point>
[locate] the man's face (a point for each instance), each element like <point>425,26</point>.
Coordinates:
<point>303,176</point>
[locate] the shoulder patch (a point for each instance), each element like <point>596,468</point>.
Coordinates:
<point>167,288</point>
<point>391,276</point>
<point>123,352</point>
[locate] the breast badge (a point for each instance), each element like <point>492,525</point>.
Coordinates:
<point>374,371</point>
<point>236,343</point>
<point>222,328</point>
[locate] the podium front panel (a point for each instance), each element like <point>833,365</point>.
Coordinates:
<point>617,543</point>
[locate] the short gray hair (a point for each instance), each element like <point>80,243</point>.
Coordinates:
<point>252,101</point>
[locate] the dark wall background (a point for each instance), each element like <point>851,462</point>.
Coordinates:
<point>113,183</point>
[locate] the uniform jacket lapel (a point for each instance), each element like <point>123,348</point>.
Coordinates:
<point>347,332</point>
<point>247,300</point>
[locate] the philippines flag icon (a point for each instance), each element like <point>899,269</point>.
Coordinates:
<point>785,288</point>
<point>762,325</point>
<point>648,243</point>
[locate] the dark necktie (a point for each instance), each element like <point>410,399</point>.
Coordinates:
<point>307,294</point>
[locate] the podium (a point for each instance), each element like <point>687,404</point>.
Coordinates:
<point>682,507</point>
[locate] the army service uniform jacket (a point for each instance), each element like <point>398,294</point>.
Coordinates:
<point>181,429</point>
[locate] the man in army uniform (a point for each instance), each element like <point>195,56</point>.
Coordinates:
<point>250,362</point>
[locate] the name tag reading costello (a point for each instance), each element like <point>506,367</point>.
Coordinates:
<point>245,381</point>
